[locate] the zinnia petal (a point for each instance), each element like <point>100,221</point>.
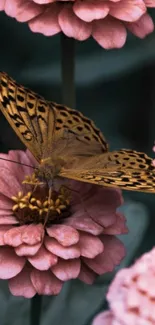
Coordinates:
<point>2,5</point>
<point>87,275</point>
<point>64,252</point>
<point>128,10</point>
<point>106,261</point>
<point>90,246</point>
<point>47,22</point>
<point>67,270</point>
<point>26,250</point>
<point>150,3</point>
<point>45,283</point>
<point>43,259</point>
<point>32,234</point>
<point>72,26</point>
<point>109,33</point>
<point>3,230</point>
<point>89,10</point>
<point>21,9</point>
<point>84,223</point>
<point>142,27</point>
<point>10,263</point>
<point>21,284</point>
<point>104,318</point>
<point>65,235</point>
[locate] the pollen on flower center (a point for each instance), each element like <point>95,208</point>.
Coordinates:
<point>36,206</point>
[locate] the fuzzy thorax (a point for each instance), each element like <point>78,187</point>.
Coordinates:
<point>49,168</point>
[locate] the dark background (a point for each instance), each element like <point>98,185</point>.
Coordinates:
<point>116,89</point>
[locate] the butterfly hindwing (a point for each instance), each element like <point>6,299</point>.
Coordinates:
<point>126,169</point>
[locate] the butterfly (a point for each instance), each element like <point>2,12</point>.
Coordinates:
<point>67,144</point>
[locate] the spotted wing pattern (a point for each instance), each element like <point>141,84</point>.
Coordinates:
<point>126,169</point>
<point>40,124</point>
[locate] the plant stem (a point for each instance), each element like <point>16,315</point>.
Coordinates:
<point>35,312</point>
<point>68,70</point>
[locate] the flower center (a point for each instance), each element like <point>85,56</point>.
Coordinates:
<point>41,205</point>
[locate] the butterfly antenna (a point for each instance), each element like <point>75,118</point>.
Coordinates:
<point>19,163</point>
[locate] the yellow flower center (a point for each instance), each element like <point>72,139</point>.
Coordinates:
<point>41,205</point>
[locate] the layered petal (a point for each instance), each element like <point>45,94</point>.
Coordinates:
<point>45,283</point>
<point>81,19</point>
<point>72,26</point>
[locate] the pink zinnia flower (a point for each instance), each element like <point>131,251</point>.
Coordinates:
<point>106,21</point>
<point>131,295</point>
<point>77,240</point>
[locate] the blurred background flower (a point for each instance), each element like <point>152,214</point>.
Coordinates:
<point>38,259</point>
<point>106,21</point>
<point>131,295</point>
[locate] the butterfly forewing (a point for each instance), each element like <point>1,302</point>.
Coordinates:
<point>44,126</point>
<point>28,114</point>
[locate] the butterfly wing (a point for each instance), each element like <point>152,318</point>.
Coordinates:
<point>28,114</point>
<point>126,169</point>
<point>79,130</point>
<point>45,127</point>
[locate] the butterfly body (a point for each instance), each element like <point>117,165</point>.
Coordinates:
<point>67,144</point>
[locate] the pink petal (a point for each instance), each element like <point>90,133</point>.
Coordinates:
<point>64,252</point>
<point>26,250</point>
<point>13,236</point>
<point>66,270</point>
<point>150,3</point>
<point>109,33</point>
<point>142,27</point>
<point>104,318</point>
<point>21,284</point>
<point>14,8</point>
<point>90,246</point>
<point>8,220</point>
<point>89,10</point>
<point>32,234</point>
<point>86,275</point>
<point>10,263</point>
<point>119,227</point>
<point>47,22</point>
<point>84,223</point>
<point>43,1</point>
<point>28,11</point>
<point>43,259</point>
<point>9,185</point>
<point>72,26</point>
<point>102,202</point>
<point>113,253</point>
<point>2,4</point>
<point>127,10</point>
<point>6,203</point>
<point>45,283</point>
<point>65,235</point>
<point>24,158</point>
<point>3,230</point>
